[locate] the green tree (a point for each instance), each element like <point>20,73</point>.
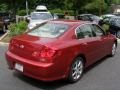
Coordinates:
<point>75,5</point>
<point>96,7</point>
<point>116,1</point>
<point>3,7</point>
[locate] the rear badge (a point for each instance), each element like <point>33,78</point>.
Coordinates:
<point>22,46</point>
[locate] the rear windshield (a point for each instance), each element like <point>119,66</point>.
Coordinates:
<point>41,16</point>
<point>50,30</point>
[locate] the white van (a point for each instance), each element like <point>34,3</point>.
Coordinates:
<point>40,15</point>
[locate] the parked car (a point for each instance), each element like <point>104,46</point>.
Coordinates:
<point>107,16</point>
<point>59,49</point>
<point>115,26</point>
<point>4,21</point>
<point>39,16</point>
<point>89,17</point>
<point>106,19</point>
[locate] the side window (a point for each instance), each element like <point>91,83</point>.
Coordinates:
<point>84,31</point>
<point>97,30</point>
<point>86,18</point>
<point>118,22</point>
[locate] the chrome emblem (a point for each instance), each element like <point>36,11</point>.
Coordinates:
<point>22,46</point>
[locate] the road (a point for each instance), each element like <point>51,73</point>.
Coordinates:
<point>104,75</point>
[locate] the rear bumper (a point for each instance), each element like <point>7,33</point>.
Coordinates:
<point>37,70</point>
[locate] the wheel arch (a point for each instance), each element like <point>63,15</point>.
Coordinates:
<point>84,58</point>
<point>116,43</point>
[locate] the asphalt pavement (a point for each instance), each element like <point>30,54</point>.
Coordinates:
<point>103,75</point>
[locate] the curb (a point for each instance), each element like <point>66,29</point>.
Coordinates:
<point>3,43</point>
<point>4,35</point>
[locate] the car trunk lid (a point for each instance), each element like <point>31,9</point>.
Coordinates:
<point>25,46</point>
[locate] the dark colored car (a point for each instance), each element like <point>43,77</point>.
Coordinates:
<point>88,17</point>
<point>59,49</point>
<point>115,26</point>
<point>5,19</point>
<point>105,20</point>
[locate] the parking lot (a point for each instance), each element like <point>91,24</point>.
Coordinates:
<point>104,75</point>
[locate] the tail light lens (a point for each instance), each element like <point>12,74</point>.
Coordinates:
<point>45,55</point>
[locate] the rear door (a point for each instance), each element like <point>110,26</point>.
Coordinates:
<point>91,43</point>
<point>104,40</point>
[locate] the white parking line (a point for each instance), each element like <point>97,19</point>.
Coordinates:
<point>4,35</point>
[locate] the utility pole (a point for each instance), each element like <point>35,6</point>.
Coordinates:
<point>26,7</point>
<point>101,7</point>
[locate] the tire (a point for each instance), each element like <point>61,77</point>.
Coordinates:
<point>118,34</point>
<point>76,70</point>
<point>113,50</point>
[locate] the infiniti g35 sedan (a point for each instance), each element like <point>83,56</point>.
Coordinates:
<point>59,49</point>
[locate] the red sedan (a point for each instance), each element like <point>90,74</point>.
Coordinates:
<point>59,49</point>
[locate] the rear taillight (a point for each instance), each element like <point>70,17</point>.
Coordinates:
<point>45,55</point>
<point>13,43</point>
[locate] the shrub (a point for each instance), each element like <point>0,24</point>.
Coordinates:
<point>17,28</point>
<point>105,27</point>
<point>21,12</point>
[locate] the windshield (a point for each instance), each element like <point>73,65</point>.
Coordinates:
<point>50,30</point>
<point>95,17</point>
<point>41,16</point>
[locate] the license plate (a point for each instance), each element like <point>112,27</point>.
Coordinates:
<point>19,67</point>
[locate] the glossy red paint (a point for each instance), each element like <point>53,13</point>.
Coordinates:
<point>50,59</point>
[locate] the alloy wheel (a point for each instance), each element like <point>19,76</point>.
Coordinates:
<point>76,70</point>
<point>113,49</point>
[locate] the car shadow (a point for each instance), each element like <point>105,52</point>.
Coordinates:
<point>96,64</point>
<point>51,85</point>
<point>55,84</point>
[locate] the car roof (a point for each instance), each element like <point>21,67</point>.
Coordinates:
<point>41,12</point>
<point>85,14</point>
<point>115,17</point>
<point>70,22</point>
